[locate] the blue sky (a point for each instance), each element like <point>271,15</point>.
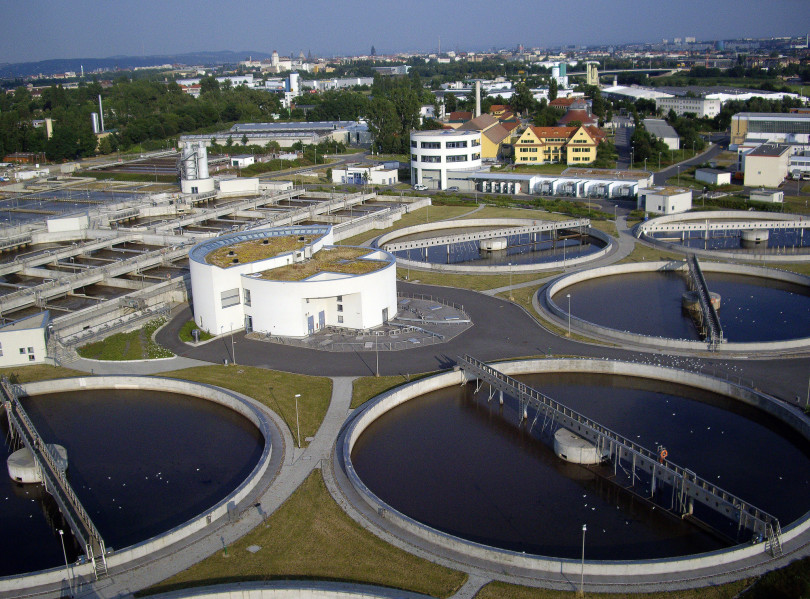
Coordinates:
<point>37,30</point>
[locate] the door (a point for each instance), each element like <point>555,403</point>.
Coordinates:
<point>248,324</point>
<point>385,315</point>
<point>310,324</point>
<point>321,319</point>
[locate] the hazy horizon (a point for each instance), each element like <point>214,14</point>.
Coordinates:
<point>37,30</point>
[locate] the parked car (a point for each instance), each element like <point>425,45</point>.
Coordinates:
<point>420,187</point>
<point>453,188</point>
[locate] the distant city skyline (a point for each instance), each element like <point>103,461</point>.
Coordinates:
<point>38,30</point>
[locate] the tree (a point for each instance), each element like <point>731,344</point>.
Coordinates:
<point>244,139</point>
<point>552,90</point>
<point>522,99</point>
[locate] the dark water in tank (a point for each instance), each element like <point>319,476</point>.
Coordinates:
<point>141,462</point>
<point>780,241</point>
<point>522,250</point>
<point>459,464</point>
<point>752,309</point>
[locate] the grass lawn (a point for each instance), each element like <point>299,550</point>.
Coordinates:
<point>310,537</point>
<point>798,204</point>
<point>502,590</point>
<point>366,387</point>
<point>642,253</point>
<point>135,345</point>
<point>429,214</point>
<point>38,372</point>
<point>274,389</point>
<point>185,333</point>
<point>473,282</point>
<point>503,212</point>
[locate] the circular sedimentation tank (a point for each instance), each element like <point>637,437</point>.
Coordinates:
<point>651,303</point>
<point>507,499</point>
<point>519,252</point>
<point>767,236</point>
<point>146,458</point>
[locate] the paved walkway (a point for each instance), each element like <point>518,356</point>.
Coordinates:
<point>143,367</point>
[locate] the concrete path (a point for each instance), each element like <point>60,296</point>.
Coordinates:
<point>289,467</point>
<point>135,366</point>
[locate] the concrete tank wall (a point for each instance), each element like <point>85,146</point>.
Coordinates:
<point>497,558</point>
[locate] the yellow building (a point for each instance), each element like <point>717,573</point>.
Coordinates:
<point>493,135</point>
<point>572,145</point>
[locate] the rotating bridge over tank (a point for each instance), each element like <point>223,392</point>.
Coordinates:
<point>623,453</point>
<point>56,482</point>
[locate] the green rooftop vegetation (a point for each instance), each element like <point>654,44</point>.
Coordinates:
<point>343,260</point>
<point>254,250</point>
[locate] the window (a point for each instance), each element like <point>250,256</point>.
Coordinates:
<point>414,157</point>
<point>22,350</point>
<point>456,144</point>
<point>1,349</point>
<point>31,358</point>
<point>230,298</point>
<point>340,298</point>
<point>475,142</point>
<point>431,158</point>
<point>457,158</point>
<point>340,319</point>
<point>340,307</point>
<point>476,157</point>
<point>413,144</point>
<point>247,297</point>
<point>30,350</point>
<point>431,145</point>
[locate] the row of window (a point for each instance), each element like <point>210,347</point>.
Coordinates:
<point>30,352</point>
<point>451,158</point>
<point>437,145</point>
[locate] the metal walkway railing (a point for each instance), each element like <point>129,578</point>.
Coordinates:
<point>687,486</point>
<point>710,321</point>
<point>56,482</point>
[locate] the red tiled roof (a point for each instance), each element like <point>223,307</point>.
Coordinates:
<point>510,125</point>
<point>542,132</point>
<point>496,134</point>
<point>479,123</point>
<point>460,115</point>
<point>562,102</point>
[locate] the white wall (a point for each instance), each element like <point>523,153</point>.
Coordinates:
<point>15,346</point>
<point>240,185</point>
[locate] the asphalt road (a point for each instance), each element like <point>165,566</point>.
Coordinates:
<point>501,330</point>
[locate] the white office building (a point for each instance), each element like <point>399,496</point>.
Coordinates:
<point>435,152</point>
<point>702,107</point>
<point>289,281</point>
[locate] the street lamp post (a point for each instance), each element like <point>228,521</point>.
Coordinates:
<point>679,174</point>
<point>645,164</point>
<point>510,283</point>
<point>659,161</point>
<point>67,569</point>
<point>582,566</point>
<point>377,351</point>
<point>233,350</point>
<point>568,295</point>
<point>297,427</point>
<point>703,200</point>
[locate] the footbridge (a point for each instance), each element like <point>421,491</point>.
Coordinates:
<point>708,321</point>
<point>553,227</point>
<point>709,225</point>
<point>56,482</point>
<point>687,487</point>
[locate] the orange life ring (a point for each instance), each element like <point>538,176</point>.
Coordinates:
<point>664,454</point>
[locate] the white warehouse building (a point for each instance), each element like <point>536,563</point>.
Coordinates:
<point>435,152</point>
<point>289,281</point>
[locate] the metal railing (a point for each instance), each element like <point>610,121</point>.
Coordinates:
<point>56,482</point>
<point>686,484</point>
<point>707,309</point>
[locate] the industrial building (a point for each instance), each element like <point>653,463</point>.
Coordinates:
<point>289,281</point>
<point>25,341</point>
<point>435,152</point>
<point>766,165</point>
<point>286,134</point>
<point>713,176</point>
<point>357,174</point>
<point>664,200</point>
<point>662,130</point>
<point>774,127</point>
<point>702,107</point>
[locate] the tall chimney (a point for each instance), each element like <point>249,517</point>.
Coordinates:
<point>477,99</point>
<point>101,113</point>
